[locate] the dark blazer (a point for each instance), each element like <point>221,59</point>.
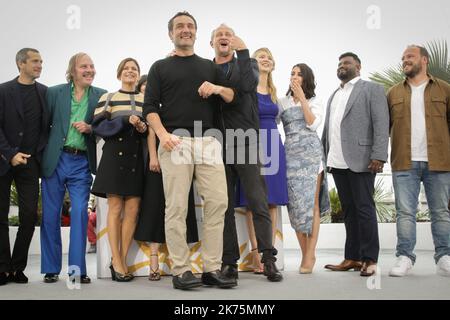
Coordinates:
<point>59,103</point>
<point>12,122</point>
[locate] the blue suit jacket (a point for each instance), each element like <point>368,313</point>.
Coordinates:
<point>59,103</point>
<point>12,123</point>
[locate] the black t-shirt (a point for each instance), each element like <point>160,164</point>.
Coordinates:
<point>32,111</point>
<point>172,92</point>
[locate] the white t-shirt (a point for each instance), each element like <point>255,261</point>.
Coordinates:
<point>418,127</point>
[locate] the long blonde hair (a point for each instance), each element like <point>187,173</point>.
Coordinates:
<point>271,87</point>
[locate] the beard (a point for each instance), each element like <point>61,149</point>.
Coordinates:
<point>346,75</point>
<point>415,70</point>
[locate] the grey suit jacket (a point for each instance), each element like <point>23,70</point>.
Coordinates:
<point>364,126</point>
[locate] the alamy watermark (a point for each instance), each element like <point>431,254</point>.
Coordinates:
<point>240,147</point>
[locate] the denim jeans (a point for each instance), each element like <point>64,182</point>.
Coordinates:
<point>437,190</point>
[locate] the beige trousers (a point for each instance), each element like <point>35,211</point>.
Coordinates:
<point>200,158</point>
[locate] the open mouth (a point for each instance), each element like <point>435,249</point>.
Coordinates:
<point>186,36</point>
<point>224,43</point>
<point>88,76</point>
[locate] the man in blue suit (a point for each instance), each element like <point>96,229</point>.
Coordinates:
<point>69,161</point>
<point>23,136</point>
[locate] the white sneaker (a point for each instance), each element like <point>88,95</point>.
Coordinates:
<point>401,267</point>
<point>443,266</point>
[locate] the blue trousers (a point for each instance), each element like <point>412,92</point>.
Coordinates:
<point>72,172</point>
<point>437,190</point>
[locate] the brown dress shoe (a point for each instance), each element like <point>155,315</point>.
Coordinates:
<point>345,266</point>
<point>368,269</point>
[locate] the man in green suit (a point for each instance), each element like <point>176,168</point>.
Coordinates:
<point>69,161</point>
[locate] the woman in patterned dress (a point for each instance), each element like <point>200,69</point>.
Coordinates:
<point>301,114</point>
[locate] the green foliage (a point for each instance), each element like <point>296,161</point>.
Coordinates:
<point>438,66</point>
<point>382,199</point>
<point>14,221</point>
<point>336,209</point>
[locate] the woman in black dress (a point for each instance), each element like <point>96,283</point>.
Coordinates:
<point>120,174</point>
<point>150,226</point>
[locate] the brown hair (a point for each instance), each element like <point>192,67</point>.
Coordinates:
<point>423,51</point>
<point>122,65</point>
<point>178,14</point>
<point>270,85</point>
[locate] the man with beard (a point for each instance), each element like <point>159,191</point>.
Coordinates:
<point>355,140</point>
<point>23,136</point>
<point>69,161</point>
<point>420,143</point>
<point>181,98</point>
<point>242,120</point>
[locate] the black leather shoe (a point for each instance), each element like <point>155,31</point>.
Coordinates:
<point>186,281</point>
<point>217,278</point>
<point>85,279</point>
<point>230,271</point>
<point>51,277</point>
<point>271,271</point>
<point>3,278</point>
<point>18,277</point>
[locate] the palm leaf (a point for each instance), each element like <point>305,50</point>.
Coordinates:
<point>439,63</point>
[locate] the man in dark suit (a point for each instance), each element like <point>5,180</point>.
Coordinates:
<point>355,139</point>
<point>23,136</point>
<point>68,162</point>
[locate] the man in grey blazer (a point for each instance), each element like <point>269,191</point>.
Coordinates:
<point>355,140</point>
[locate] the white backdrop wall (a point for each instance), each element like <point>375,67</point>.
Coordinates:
<point>315,32</point>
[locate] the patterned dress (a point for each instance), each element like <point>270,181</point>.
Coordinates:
<point>304,161</point>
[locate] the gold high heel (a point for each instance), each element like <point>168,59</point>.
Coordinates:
<point>304,270</point>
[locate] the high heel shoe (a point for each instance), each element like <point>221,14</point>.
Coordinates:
<point>309,270</point>
<point>305,270</point>
<point>154,275</point>
<point>258,266</point>
<point>117,276</point>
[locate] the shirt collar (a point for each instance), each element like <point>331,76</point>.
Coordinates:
<point>430,79</point>
<point>350,83</point>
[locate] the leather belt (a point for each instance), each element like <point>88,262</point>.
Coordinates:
<point>74,151</point>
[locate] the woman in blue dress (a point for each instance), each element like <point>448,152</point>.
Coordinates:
<point>301,114</point>
<point>272,150</point>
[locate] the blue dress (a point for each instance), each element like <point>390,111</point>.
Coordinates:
<point>272,155</point>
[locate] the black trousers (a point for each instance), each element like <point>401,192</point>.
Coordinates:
<point>255,190</point>
<point>26,178</point>
<point>355,192</point>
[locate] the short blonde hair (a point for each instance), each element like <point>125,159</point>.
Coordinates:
<point>270,85</point>
<point>72,63</point>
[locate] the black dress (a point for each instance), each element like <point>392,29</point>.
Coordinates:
<point>151,224</point>
<point>121,168</point>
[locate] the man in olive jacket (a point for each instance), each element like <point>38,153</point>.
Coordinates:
<point>420,142</point>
